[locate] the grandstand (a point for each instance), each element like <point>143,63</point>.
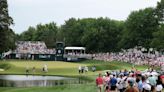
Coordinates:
<point>32,47</point>
<point>37,50</point>
<point>33,50</point>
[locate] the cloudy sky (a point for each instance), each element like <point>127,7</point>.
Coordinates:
<point>32,12</point>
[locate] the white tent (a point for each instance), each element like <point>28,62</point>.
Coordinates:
<point>74,48</point>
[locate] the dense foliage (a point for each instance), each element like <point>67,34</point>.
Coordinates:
<point>7,36</point>
<point>97,35</point>
<point>158,37</point>
<point>139,29</point>
<point>46,33</point>
<point>144,27</point>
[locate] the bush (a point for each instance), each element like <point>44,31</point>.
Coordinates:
<point>5,66</point>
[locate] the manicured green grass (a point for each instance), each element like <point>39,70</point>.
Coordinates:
<point>65,88</point>
<point>61,69</point>
<point>54,68</point>
<point>115,65</point>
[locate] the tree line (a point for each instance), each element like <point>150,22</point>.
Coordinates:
<point>7,35</point>
<point>144,27</point>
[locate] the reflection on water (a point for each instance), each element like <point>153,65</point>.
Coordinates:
<point>30,81</point>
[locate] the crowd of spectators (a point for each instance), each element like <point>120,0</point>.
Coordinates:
<point>135,56</point>
<point>33,47</point>
<point>130,81</point>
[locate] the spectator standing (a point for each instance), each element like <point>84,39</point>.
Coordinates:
<point>80,68</point>
<point>99,82</point>
<point>27,70</point>
<point>93,68</point>
<point>131,87</point>
<point>139,84</point>
<point>120,83</point>
<point>159,86</point>
<point>33,70</point>
<point>162,79</point>
<point>45,68</point>
<point>152,82</point>
<point>113,83</point>
<point>106,82</point>
<point>86,69</point>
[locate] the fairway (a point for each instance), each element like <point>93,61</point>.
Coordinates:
<point>54,68</point>
<point>62,68</point>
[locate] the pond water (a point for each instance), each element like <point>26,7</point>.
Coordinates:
<point>31,81</point>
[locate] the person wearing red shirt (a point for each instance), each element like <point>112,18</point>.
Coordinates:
<point>162,80</point>
<point>99,82</point>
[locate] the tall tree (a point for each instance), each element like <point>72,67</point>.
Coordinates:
<point>42,32</point>
<point>158,40</point>
<point>97,35</point>
<point>6,33</point>
<point>102,35</point>
<point>139,28</point>
<point>72,32</point>
<point>28,35</point>
<point>160,12</point>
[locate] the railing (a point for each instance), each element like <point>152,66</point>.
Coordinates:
<point>87,56</point>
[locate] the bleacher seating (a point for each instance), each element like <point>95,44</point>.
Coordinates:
<point>32,47</point>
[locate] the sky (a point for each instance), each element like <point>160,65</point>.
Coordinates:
<point>27,13</point>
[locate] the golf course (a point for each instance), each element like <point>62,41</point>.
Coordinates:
<point>59,68</point>
<point>62,68</point>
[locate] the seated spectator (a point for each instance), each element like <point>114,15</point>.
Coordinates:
<point>33,47</point>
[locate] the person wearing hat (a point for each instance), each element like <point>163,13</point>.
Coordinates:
<point>162,80</point>
<point>131,87</point>
<point>159,86</point>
